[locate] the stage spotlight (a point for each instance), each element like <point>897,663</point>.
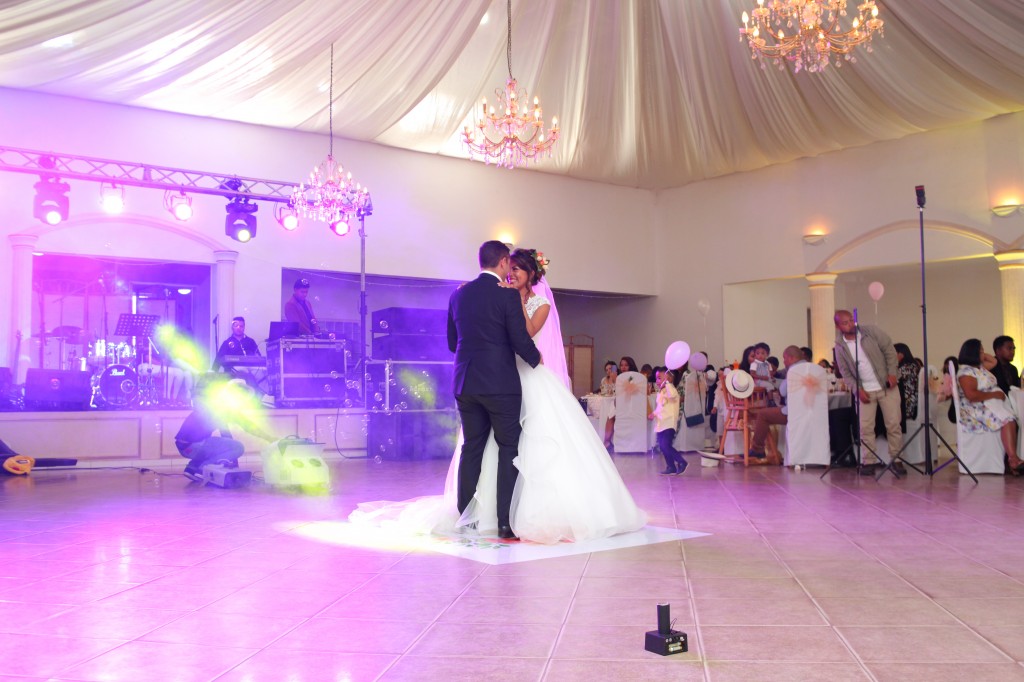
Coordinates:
<point>111,198</point>
<point>240,224</point>
<point>179,205</point>
<point>51,200</point>
<point>340,227</point>
<point>287,216</point>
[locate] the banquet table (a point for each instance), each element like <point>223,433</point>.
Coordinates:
<point>599,409</point>
<point>840,424</point>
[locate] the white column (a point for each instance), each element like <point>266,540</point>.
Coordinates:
<point>224,291</point>
<point>1011,276</point>
<point>22,246</point>
<point>823,310</point>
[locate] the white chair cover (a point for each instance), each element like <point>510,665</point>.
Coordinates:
<point>807,428</point>
<point>913,450</point>
<point>631,429</point>
<point>982,453</point>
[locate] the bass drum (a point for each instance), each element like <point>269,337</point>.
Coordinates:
<point>119,386</point>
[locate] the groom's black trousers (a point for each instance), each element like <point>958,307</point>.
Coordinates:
<point>480,414</point>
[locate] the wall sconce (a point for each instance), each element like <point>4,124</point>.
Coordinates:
<point>1006,210</point>
<point>816,239</point>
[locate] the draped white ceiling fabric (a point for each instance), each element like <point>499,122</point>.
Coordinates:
<point>649,93</point>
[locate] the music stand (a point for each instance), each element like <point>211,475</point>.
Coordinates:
<point>140,326</point>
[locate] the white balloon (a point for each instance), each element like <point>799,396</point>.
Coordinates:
<point>703,306</point>
<point>698,362</point>
<point>876,290</point>
<point>676,355</point>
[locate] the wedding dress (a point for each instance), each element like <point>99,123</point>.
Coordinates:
<point>568,488</point>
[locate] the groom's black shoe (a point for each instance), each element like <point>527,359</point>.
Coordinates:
<point>505,533</point>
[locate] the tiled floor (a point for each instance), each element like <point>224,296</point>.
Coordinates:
<point>116,575</point>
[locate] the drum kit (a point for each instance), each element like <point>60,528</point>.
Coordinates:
<point>121,376</point>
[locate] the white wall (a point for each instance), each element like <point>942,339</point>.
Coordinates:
<point>431,212</point>
<point>673,248</point>
<point>748,226</point>
<point>963,302</point>
<point>773,311</point>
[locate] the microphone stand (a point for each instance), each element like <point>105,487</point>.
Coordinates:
<point>926,426</point>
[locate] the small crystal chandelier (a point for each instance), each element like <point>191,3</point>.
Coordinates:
<point>511,134</point>
<point>812,32</point>
<point>331,196</point>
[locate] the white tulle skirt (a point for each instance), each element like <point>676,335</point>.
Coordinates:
<point>568,489</point>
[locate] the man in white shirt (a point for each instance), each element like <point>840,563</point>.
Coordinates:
<point>867,361</point>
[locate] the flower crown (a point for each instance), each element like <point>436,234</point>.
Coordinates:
<point>541,261</point>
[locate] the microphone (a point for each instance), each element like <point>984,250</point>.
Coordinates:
<point>856,325</point>
<point>920,195</point>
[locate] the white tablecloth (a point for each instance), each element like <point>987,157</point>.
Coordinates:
<point>839,400</point>
<point>599,409</point>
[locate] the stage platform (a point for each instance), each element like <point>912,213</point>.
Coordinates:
<point>146,437</point>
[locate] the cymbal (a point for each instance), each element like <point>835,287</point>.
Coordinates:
<point>66,332</point>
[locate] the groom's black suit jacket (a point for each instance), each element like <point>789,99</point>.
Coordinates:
<point>486,330</point>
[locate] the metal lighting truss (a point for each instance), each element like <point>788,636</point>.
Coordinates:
<point>68,166</point>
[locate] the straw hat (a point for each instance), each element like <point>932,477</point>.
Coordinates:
<point>739,384</point>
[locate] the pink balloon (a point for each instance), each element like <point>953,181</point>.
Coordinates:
<point>876,291</point>
<point>676,355</point>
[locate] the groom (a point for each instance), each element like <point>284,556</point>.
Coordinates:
<point>486,330</point>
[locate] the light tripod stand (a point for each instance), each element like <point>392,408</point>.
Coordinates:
<point>926,426</point>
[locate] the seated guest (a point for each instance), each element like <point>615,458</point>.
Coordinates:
<point>627,364</point>
<point>824,364</point>
<point>907,373</point>
<point>611,373</point>
<point>648,372</point>
<point>808,354</point>
<point>1005,373</point>
<point>983,406</point>
<point>773,362</point>
<point>760,369</point>
<point>297,309</point>
<point>769,416</point>
<point>748,358</point>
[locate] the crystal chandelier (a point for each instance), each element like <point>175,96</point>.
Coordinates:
<point>330,195</point>
<point>512,133</point>
<point>812,32</point>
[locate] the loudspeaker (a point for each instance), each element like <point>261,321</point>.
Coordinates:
<point>402,386</point>
<point>428,434</point>
<point>57,389</point>
<point>410,321</point>
<point>412,347</point>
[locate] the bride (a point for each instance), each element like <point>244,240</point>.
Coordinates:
<point>568,488</point>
